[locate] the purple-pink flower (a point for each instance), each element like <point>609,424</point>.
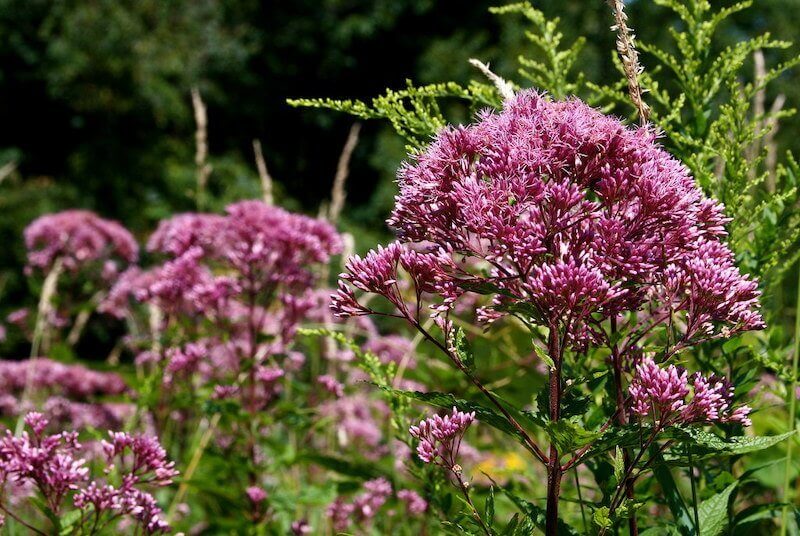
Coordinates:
<point>565,217</point>
<point>440,437</point>
<point>256,495</point>
<point>50,462</point>
<point>330,384</point>
<point>139,461</point>
<point>364,506</point>
<point>144,456</point>
<point>415,504</point>
<point>77,238</point>
<point>51,377</point>
<point>670,396</point>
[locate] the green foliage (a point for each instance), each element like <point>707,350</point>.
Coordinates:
<point>447,401</point>
<point>705,441</point>
<point>719,127</point>
<point>713,512</point>
<point>415,112</point>
<point>536,514</point>
<point>464,350</point>
<point>553,72</point>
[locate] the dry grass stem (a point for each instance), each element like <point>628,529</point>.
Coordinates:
<point>7,170</point>
<point>263,173</point>
<point>630,58</point>
<point>503,86</point>
<point>338,192</point>
<point>40,339</point>
<point>201,143</point>
<point>766,121</point>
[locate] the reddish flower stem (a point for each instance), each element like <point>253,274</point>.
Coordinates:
<point>554,470</point>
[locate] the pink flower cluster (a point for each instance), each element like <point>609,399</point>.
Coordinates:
<point>246,280</point>
<point>359,420</point>
<point>47,461</point>
<point>266,244</point>
<point>77,238</point>
<point>260,248</point>
<point>73,381</point>
<point>415,505</point>
<point>364,506</point>
<point>440,437</point>
<point>564,216</point>
<point>141,461</point>
<point>73,396</point>
<point>670,396</point>
<point>51,464</point>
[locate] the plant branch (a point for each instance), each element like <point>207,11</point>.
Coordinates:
<point>529,442</point>
<point>464,487</point>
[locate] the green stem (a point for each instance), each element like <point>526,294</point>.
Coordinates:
<point>580,500</point>
<point>694,490</point>
<point>464,487</point>
<point>792,412</point>
<point>205,438</point>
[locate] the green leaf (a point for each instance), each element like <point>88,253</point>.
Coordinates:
<point>569,435</point>
<point>483,413</point>
<point>671,494</point>
<point>48,513</point>
<point>511,528</point>
<point>757,513</point>
<point>713,512</point>
<point>602,517</point>
<point>488,511</point>
<point>544,356</point>
<point>619,464</point>
<point>358,470</point>
<point>69,519</point>
<point>463,349</point>
<point>707,441</point>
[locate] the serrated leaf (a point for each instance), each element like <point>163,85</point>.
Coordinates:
<point>488,511</point>
<point>602,517</point>
<point>672,496</point>
<point>735,445</point>
<point>569,435</point>
<point>544,357</point>
<point>619,464</point>
<point>713,512</point>
<point>463,349</point>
